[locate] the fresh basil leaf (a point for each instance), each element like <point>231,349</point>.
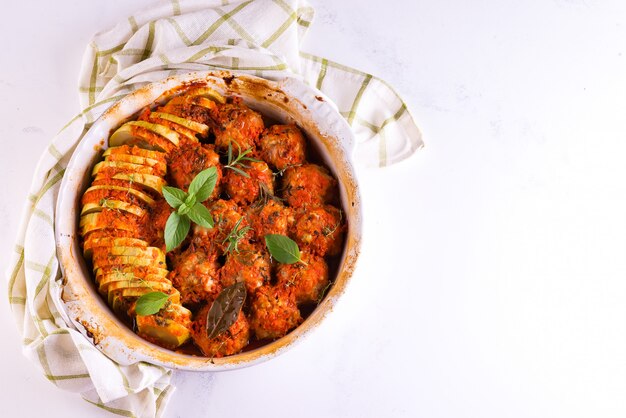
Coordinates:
<point>282,248</point>
<point>183,209</point>
<point>176,229</point>
<point>200,215</point>
<point>225,309</point>
<point>203,184</point>
<point>150,303</point>
<point>174,197</point>
<point>191,200</point>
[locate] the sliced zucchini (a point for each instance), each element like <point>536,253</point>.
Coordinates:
<point>203,102</point>
<point>159,166</point>
<point>125,260</point>
<point>123,166</point>
<point>137,270</point>
<point>127,287</point>
<point>130,131</point>
<point>151,253</point>
<point>197,127</point>
<point>95,242</point>
<point>93,222</point>
<point>135,151</point>
<point>124,300</point>
<point>206,92</point>
<point>137,193</point>
<point>150,182</point>
<point>181,129</point>
<point>112,204</point>
<point>108,279</point>
<point>166,331</point>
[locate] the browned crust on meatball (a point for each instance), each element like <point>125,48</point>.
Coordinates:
<point>186,162</point>
<point>231,341</point>
<point>274,312</point>
<point>226,216</point>
<point>246,189</point>
<point>308,185</point>
<point>235,122</point>
<point>272,217</point>
<point>196,275</point>
<point>321,230</point>
<point>282,146</point>
<point>308,279</point>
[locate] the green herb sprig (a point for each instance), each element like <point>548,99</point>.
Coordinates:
<point>283,249</point>
<point>189,207</point>
<point>242,156</point>
<point>235,235</point>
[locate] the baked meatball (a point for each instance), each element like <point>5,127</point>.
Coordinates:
<point>245,190</point>
<point>307,185</point>
<point>321,230</point>
<point>196,275</point>
<point>271,218</point>
<point>231,341</point>
<point>251,264</point>
<point>226,217</point>
<point>282,146</point>
<point>274,312</point>
<point>235,122</point>
<point>186,162</point>
<point>308,280</point>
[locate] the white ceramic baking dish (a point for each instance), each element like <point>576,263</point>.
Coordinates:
<point>286,100</point>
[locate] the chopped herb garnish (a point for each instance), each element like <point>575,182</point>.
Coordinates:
<point>236,235</point>
<point>235,163</point>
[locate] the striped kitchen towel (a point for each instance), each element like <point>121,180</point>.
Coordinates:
<point>259,37</point>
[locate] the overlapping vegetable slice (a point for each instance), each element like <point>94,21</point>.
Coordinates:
<point>116,211</point>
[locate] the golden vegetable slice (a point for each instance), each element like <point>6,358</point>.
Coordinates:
<point>169,329</point>
<point>91,243</point>
<point>124,300</point>
<point>93,221</point>
<point>127,133</point>
<point>138,137</point>
<point>112,204</point>
<point>151,253</point>
<point>180,129</point>
<point>137,193</point>
<point>197,127</point>
<point>154,183</point>
<point>114,241</point>
<point>206,92</point>
<point>126,288</point>
<point>126,260</point>
<point>140,271</point>
<point>159,166</point>
<point>108,279</point>
<point>121,166</point>
<point>203,102</point>
<point>137,152</point>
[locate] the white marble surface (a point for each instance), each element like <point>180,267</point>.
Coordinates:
<point>493,274</point>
